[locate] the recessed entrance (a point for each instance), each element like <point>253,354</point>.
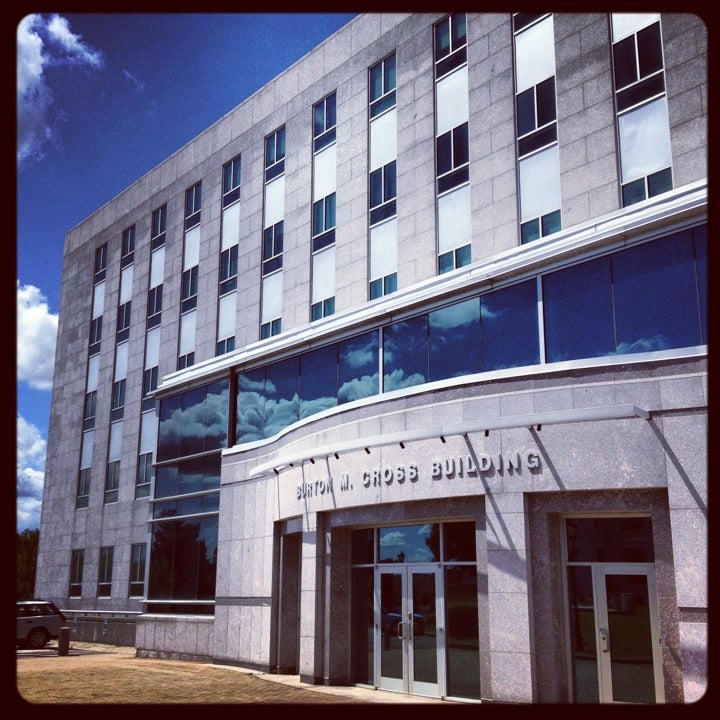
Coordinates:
<point>613,611</point>
<point>415,609</point>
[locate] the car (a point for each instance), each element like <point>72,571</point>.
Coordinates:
<point>37,622</point>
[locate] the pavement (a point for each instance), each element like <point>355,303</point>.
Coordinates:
<point>95,653</point>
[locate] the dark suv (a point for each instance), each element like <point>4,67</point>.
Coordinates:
<point>37,622</point>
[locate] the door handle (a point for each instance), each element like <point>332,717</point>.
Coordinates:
<point>399,630</point>
<point>605,639</point>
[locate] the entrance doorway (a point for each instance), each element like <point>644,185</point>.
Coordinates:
<point>613,620</point>
<point>414,613</point>
<point>409,610</point>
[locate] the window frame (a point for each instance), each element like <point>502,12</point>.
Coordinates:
<point>138,564</point>
<point>456,53</point>
<point>105,571</point>
<point>189,289</point>
<point>144,475</point>
<point>77,563</point>
<point>82,493</point>
<point>324,214</point>
<point>228,270</point>
<point>193,205</point>
<point>158,227</point>
<point>112,482</point>
<point>231,178</point>
<point>122,330</point>
<point>325,115</point>
<point>275,150</point>
<point>100,264</point>
<point>154,306</point>
<point>457,152</point>
<point>386,70</point>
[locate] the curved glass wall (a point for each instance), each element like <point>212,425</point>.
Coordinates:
<point>648,297</point>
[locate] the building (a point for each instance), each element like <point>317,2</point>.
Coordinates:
<point>397,374</point>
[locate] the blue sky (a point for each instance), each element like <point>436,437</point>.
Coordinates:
<point>101,99</point>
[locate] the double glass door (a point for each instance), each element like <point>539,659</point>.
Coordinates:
<point>409,629</point>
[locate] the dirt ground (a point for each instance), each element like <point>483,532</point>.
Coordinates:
<point>115,676</point>
<point>100,674</point>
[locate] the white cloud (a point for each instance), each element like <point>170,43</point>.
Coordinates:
<point>36,336</point>
<point>31,448</point>
<point>43,42</point>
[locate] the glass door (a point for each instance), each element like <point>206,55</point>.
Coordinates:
<point>408,641</point>
<point>614,630</point>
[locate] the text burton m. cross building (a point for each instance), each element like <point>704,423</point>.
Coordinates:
<point>396,375</point>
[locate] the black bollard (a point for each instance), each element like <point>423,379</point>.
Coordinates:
<point>64,641</point>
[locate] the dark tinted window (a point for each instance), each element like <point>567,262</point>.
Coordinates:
<point>188,476</point>
<point>509,327</point>
<point>282,402</point>
<point>570,298</point>
<point>405,353</point>
<point>194,421</point>
<point>455,340</point>
<point>459,542</point>
<point>318,380</point>
<point>358,367</point>
<point>655,295</point>
<point>626,539</point>
<point>250,423</point>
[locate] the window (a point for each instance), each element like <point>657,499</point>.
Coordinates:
<point>272,248</point>
<point>225,346</point>
<point>105,571</point>
<point>77,560</point>
<point>231,181</point>
<point>145,474</point>
<point>158,226</point>
<point>383,286</point>
<point>89,410</point>
<point>100,262</point>
<point>112,481</point>
<point>638,67</point>
<point>382,86</point>
<point>643,124</point>
<point>123,322</point>
<point>269,329</point>
<point>188,299</point>
<point>450,44</point>
<point>275,154</point>
<point>118,400</point>
<point>95,335</point>
<point>453,158</point>
<point>83,488</point>
<point>536,117</point>
<point>645,152</point>
<point>322,309</point>
<point>136,587</point>
<point>228,269</point>
<point>453,259</point>
<point>154,306</point>
<point>186,361</point>
<point>193,204</point>
<point>324,122</point>
<point>536,126</point>
<point>128,246</point>
<point>323,222</point>
<point>150,381</point>
<point>383,191</point>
